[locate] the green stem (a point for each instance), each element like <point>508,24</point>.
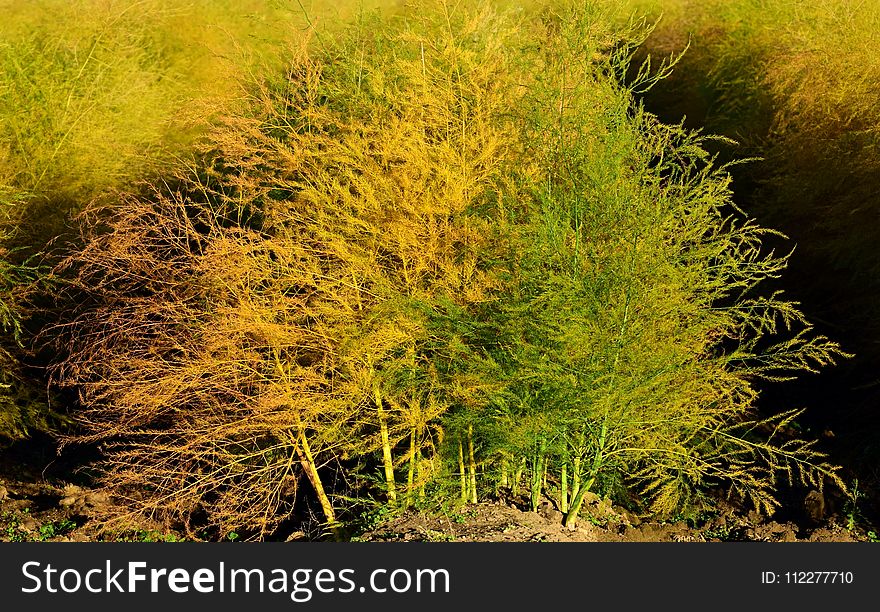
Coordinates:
<point>563,488</point>
<point>517,477</point>
<point>578,500</point>
<point>537,475</point>
<point>412,468</point>
<point>462,473</point>
<point>472,464</point>
<point>307,460</point>
<point>387,461</point>
<point>576,475</point>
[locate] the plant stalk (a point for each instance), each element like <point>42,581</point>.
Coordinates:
<point>304,452</point>
<point>387,460</point>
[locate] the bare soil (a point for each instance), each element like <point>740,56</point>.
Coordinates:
<point>43,499</point>
<point>506,521</point>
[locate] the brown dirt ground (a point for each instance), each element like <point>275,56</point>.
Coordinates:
<point>502,521</point>
<point>40,510</point>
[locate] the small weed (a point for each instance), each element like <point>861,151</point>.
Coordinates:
<point>56,528</point>
<point>439,536</point>
<point>696,519</point>
<point>725,533</point>
<point>11,528</point>
<point>461,518</point>
<point>369,520</point>
<point>598,522</point>
<point>148,535</point>
<point>851,509</point>
<point>375,517</point>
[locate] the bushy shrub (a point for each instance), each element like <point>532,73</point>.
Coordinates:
<point>632,327</point>
<point>435,242</point>
<point>275,292</point>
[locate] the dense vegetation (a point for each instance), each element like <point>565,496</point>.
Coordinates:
<point>795,84</point>
<point>412,258</point>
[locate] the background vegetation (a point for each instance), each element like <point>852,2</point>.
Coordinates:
<point>795,84</point>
